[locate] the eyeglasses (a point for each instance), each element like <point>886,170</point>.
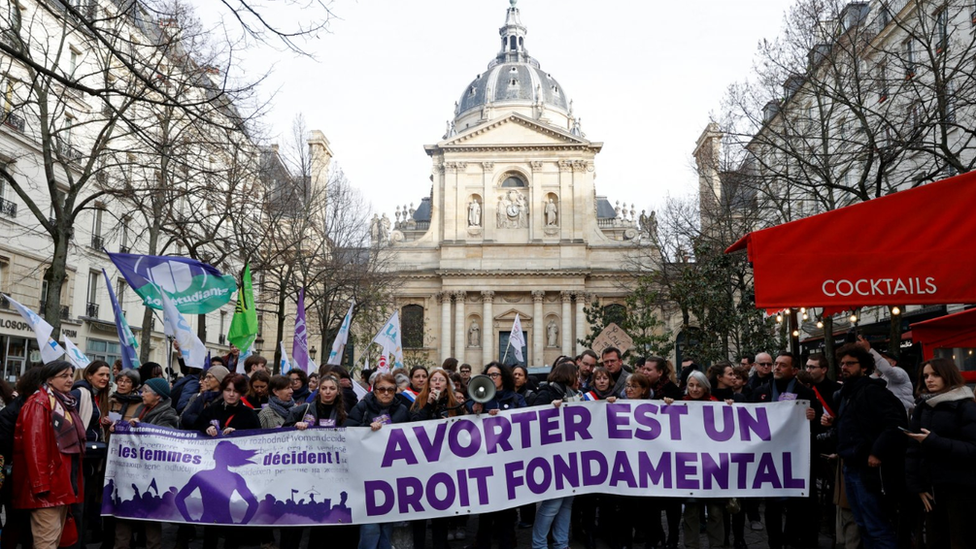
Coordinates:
<point>764,364</point>
<point>384,389</point>
<point>850,362</point>
<point>494,375</point>
<point>813,366</point>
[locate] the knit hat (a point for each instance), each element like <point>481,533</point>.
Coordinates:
<point>218,372</point>
<point>159,386</point>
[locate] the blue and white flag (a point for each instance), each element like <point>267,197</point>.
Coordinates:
<point>127,340</point>
<point>389,338</point>
<point>193,351</point>
<point>50,350</point>
<point>243,358</point>
<point>339,345</point>
<point>284,366</point>
<point>74,355</point>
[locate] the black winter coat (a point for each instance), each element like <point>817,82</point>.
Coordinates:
<point>867,425</point>
<point>369,407</point>
<point>948,454</point>
<point>239,417</point>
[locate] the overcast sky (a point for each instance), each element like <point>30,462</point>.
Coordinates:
<point>644,77</point>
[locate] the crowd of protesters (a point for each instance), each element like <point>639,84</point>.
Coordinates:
<point>894,464</point>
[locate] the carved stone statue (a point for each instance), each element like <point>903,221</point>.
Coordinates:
<point>474,214</point>
<point>502,212</point>
<point>552,217</point>
<point>523,213</point>
<point>474,334</point>
<point>552,334</point>
<point>374,229</point>
<point>384,229</point>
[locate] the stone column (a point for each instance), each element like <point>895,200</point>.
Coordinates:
<point>487,330</point>
<point>445,339</point>
<point>460,330</point>
<point>581,298</point>
<point>567,319</point>
<point>538,328</point>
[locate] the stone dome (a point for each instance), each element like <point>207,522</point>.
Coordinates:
<point>514,81</point>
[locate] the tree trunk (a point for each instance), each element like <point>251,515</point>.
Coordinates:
<point>894,335</point>
<point>282,297</point>
<point>55,277</point>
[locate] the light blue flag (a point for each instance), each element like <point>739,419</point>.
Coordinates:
<point>50,350</point>
<point>339,345</point>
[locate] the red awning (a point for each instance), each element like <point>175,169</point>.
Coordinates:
<point>946,332</point>
<point>912,247</point>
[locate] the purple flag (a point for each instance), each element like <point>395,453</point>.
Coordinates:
<point>299,349</point>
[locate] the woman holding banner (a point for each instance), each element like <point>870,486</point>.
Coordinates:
<point>600,386</point>
<point>280,403</point>
<point>229,414</point>
<point>502,522</point>
<point>126,397</point>
<point>562,386</point>
<point>435,400</point>
<point>378,408</point>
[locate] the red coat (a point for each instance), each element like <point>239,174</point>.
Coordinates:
<point>39,464</point>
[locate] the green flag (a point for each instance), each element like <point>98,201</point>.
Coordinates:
<point>244,325</point>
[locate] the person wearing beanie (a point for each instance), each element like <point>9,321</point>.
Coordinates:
<point>159,386</point>
<point>209,392</point>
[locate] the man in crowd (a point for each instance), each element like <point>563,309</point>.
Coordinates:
<point>747,361</point>
<point>254,363</point>
<point>870,445</point>
<point>615,367</point>
<point>896,380</point>
<point>817,367</point>
<point>465,371</point>
<point>800,530</point>
<point>688,365</point>
<point>586,362</point>
<point>763,372</point>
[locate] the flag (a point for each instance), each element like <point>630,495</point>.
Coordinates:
<point>192,350</point>
<point>339,345</point>
<point>127,340</point>
<point>244,326</point>
<point>243,358</point>
<point>50,350</point>
<point>389,338</point>
<point>383,365</point>
<point>74,355</point>
<point>284,365</point>
<point>194,287</point>
<point>299,344</point>
<point>516,339</point>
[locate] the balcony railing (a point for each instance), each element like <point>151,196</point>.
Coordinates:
<point>11,120</point>
<point>91,310</point>
<point>4,302</point>
<point>65,311</point>
<point>66,151</point>
<point>97,242</point>
<point>123,249</point>
<point>8,207</point>
<point>221,339</point>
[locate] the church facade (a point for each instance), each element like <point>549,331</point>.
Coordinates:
<point>512,224</point>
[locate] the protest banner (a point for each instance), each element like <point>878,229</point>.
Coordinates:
<point>463,465</point>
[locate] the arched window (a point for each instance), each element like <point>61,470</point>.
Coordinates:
<point>513,180</point>
<point>412,326</point>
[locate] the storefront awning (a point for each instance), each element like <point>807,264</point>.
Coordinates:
<point>908,248</point>
<point>946,332</point>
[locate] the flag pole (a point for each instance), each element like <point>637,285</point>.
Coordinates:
<point>507,346</point>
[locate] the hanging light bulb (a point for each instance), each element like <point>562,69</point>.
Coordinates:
<point>819,324</point>
<point>806,316</point>
<point>803,310</point>
<point>796,333</point>
<point>779,318</point>
<point>853,318</point>
<point>895,310</point>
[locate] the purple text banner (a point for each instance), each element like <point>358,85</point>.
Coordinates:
<point>469,464</point>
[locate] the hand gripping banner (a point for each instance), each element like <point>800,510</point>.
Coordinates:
<point>469,464</point>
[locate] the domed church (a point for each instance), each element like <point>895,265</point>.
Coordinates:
<point>512,223</point>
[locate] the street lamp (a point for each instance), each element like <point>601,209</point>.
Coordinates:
<point>312,351</point>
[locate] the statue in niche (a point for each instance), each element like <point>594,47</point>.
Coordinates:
<point>502,212</point>
<point>552,334</point>
<point>523,213</point>
<point>474,334</point>
<point>474,214</point>
<point>552,214</point>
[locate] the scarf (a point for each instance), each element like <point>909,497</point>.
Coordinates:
<point>69,431</point>
<point>790,388</point>
<point>279,406</point>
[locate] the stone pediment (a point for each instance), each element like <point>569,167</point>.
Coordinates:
<point>509,316</point>
<point>514,129</point>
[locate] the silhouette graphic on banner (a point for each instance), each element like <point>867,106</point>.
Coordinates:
<point>208,498</point>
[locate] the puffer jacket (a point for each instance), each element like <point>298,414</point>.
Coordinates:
<point>369,407</point>
<point>948,454</point>
<point>44,475</point>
